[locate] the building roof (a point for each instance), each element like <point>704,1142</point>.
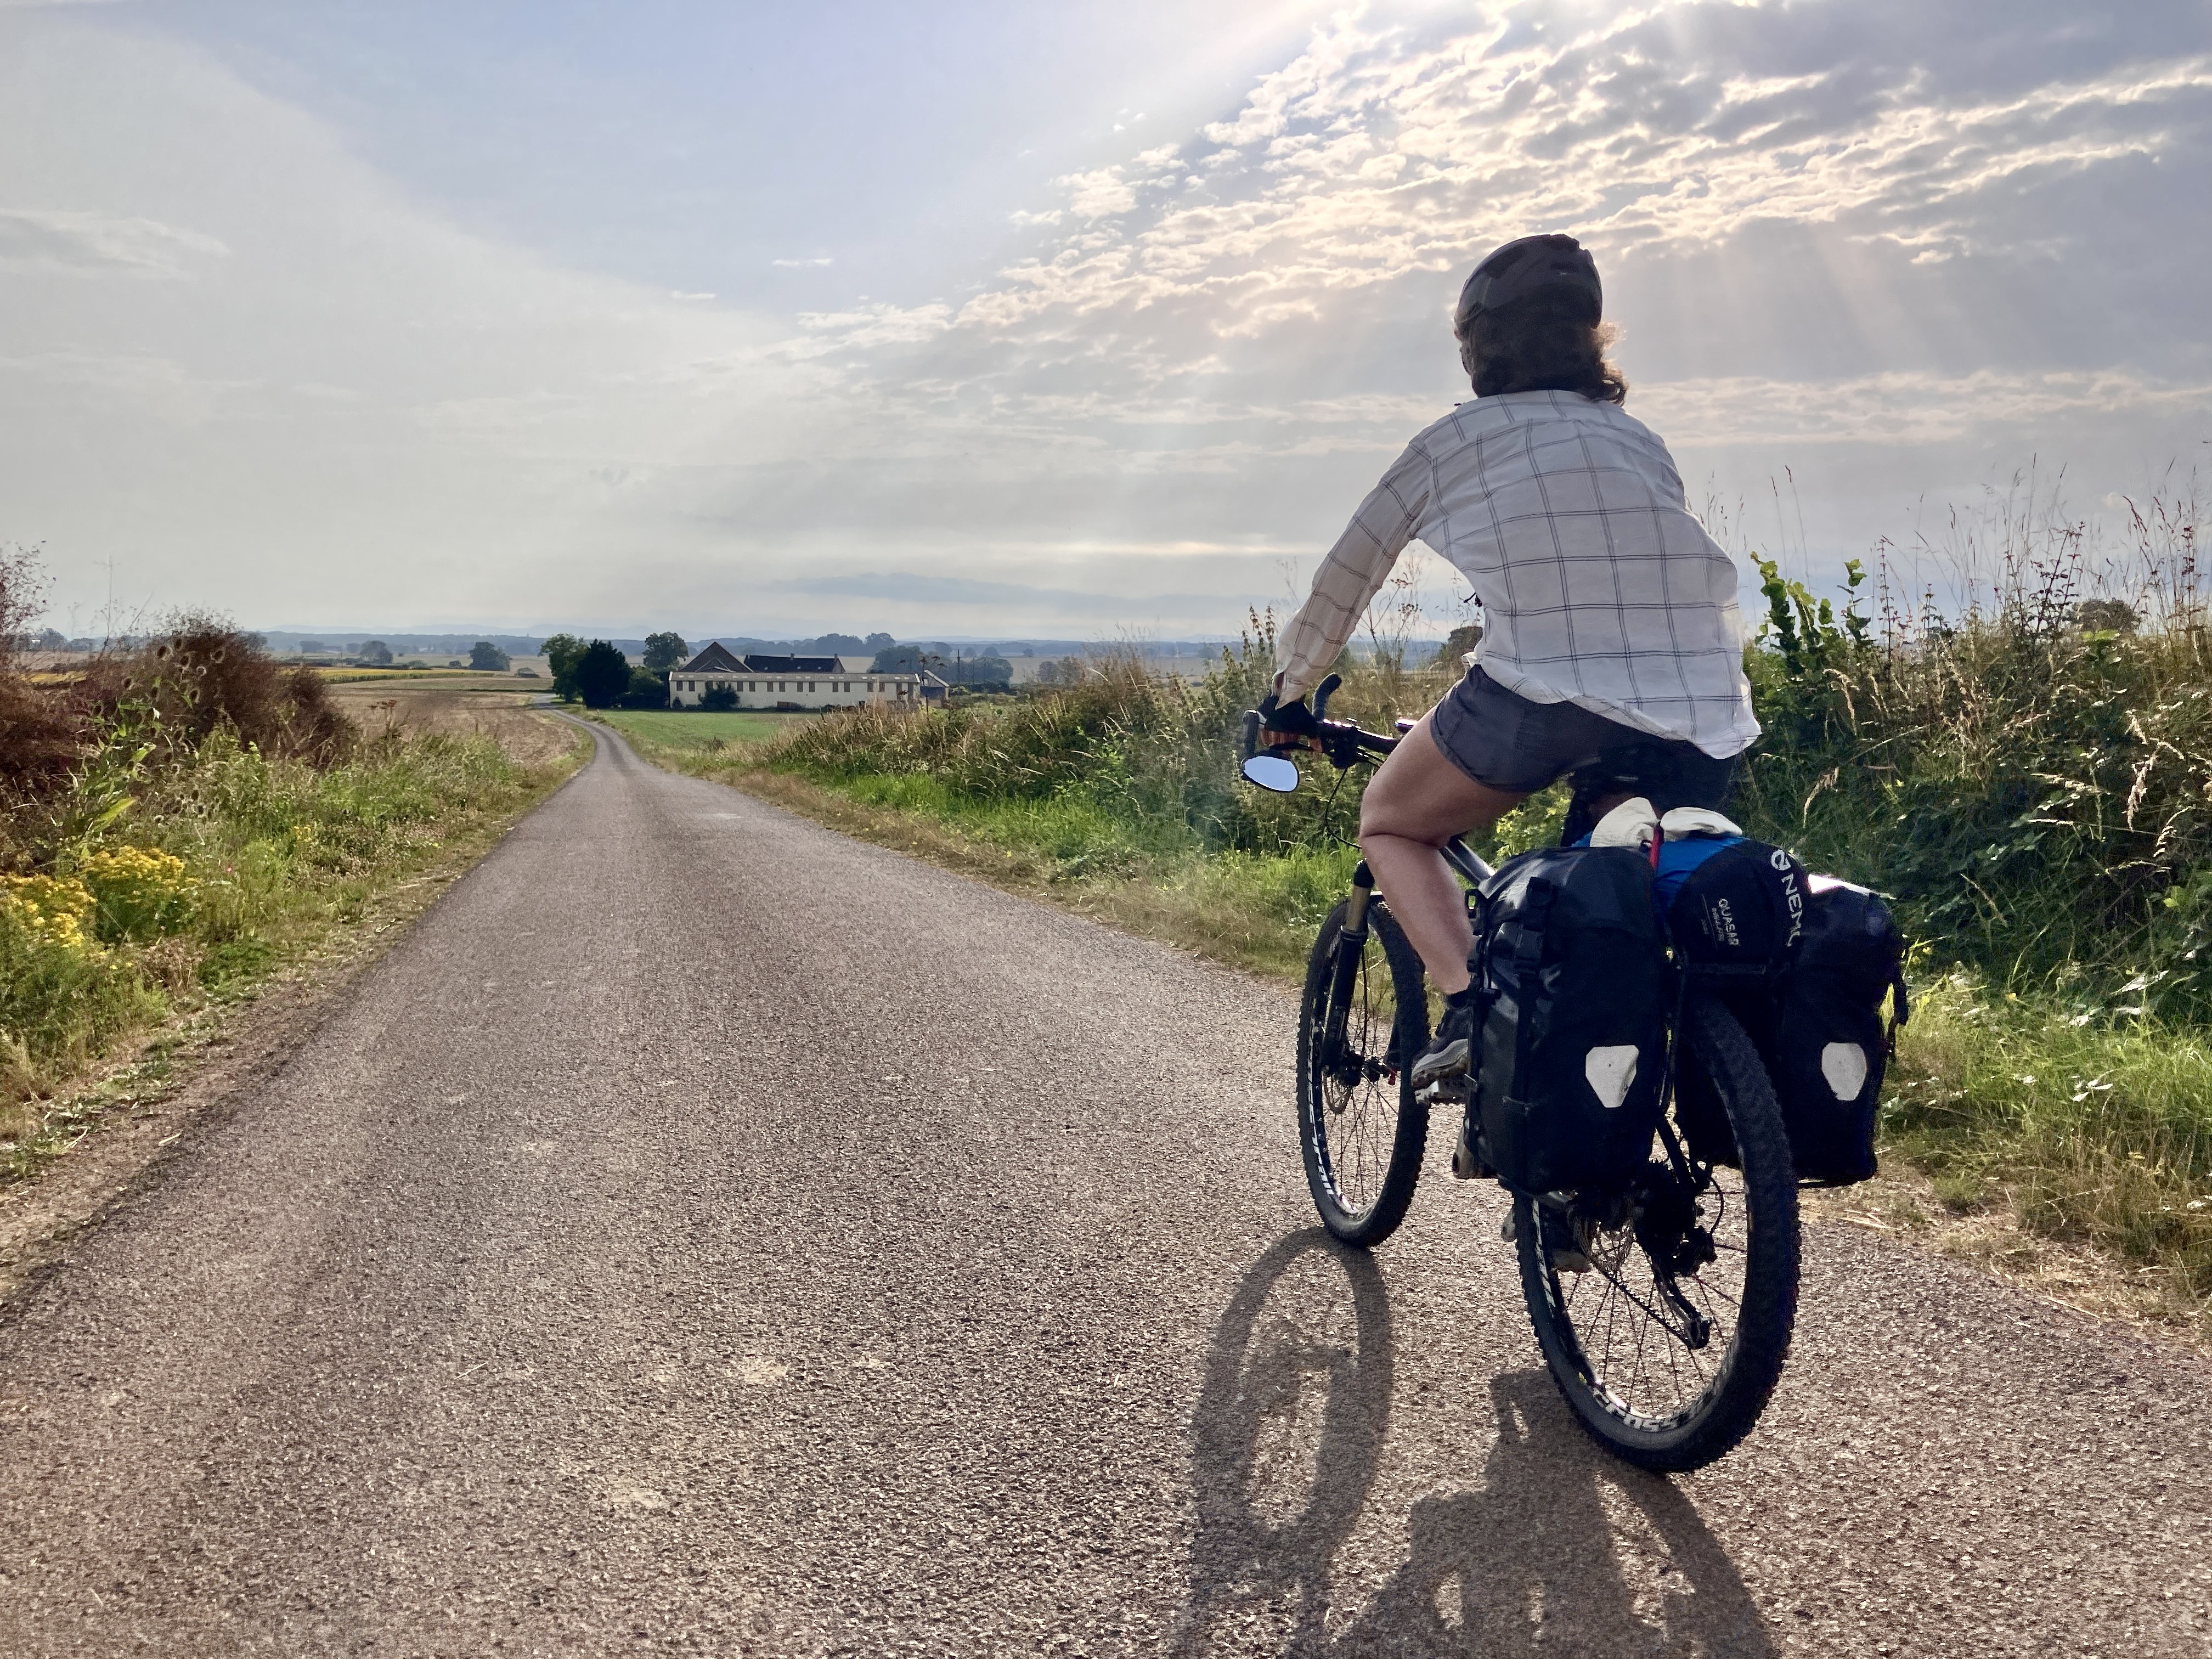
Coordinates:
<point>716,657</point>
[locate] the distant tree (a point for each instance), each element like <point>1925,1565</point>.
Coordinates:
<point>2106,617</point>
<point>312,648</point>
<point>1462,641</point>
<point>562,653</point>
<point>50,639</point>
<point>719,697</point>
<point>647,690</point>
<point>664,651</point>
<point>876,642</point>
<point>488,658</point>
<point>601,675</point>
<point>989,669</point>
<point>376,653</point>
<point>836,645</point>
<point>903,660</point>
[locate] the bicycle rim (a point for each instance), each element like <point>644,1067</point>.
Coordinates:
<point>1624,1353</point>
<point>1361,1132</point>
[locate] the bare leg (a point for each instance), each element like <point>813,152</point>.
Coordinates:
<point>1418,801</point>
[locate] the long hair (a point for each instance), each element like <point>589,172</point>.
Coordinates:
<point>1547,342</point>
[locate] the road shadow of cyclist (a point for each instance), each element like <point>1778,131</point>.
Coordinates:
<point>1560,1549</point>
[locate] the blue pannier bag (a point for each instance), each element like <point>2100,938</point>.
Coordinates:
<point>1571,966</point>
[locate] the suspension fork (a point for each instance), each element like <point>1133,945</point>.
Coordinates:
<point>1351,944</point>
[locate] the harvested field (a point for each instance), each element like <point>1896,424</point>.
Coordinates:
<point>531,737</point>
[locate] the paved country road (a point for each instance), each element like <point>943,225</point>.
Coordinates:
<point>705,1234</point>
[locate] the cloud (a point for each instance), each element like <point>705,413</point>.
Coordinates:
<point>1374,155</point>
<point>802,264</point>
<point>80,243</point>
<point>1911,407</point>
<point>1098,195</point>
<point>968,594</point>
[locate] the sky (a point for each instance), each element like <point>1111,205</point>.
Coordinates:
<point>994,319</point>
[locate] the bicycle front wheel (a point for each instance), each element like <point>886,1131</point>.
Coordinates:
<point>1665,1313</point>
<point>1363,1020</point>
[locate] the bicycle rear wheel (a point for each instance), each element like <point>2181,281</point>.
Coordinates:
<point>1364,1018</point>
<point>1668,1343</point>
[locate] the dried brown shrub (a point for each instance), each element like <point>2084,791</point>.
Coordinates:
<point>202,674</point>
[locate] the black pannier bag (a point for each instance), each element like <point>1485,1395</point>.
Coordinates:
<point>1818,1025</point>
<point>1827,1046</point>
<point>1573,1045</point>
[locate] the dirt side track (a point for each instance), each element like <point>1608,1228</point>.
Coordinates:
<point>705,1234</point>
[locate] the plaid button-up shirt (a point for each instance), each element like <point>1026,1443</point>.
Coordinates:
<point>1598,587</point>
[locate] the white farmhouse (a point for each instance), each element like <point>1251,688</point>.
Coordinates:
<point>792,683</point>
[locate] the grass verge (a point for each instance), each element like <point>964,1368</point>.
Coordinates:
<point>171,885</point>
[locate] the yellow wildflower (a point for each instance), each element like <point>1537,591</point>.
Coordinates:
<point>141,891</point>
<point>54,907</point>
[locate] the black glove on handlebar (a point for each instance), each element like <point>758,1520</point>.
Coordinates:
<point>1295,718</point>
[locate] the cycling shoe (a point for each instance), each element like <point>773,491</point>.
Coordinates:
<point>1447,1054</point>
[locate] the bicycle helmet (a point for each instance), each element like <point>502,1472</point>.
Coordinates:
<point>1520,269</point>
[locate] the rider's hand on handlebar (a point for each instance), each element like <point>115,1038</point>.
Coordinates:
<point>1283,725</point>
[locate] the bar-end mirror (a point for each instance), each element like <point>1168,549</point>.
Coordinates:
<point>1273,772</point>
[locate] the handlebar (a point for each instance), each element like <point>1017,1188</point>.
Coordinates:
<point>1342,743</point>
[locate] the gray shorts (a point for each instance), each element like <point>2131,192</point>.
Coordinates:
<point>1501,739</point>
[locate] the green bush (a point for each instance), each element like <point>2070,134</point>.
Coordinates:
<point>2038,798</point>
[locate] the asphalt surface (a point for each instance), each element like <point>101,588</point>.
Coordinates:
<point>705,1234</point>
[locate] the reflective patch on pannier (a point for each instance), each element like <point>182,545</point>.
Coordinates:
<point>1844,1066</point>
<point>1610,1070</point>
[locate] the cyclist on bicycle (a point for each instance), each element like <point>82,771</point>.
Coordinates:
<point>1611,650</point>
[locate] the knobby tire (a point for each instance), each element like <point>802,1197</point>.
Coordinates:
<point>1362,1143</point>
